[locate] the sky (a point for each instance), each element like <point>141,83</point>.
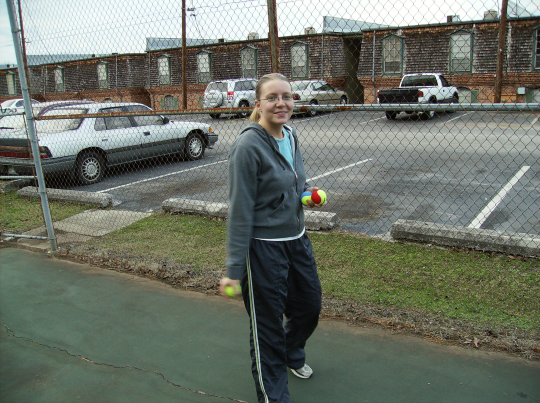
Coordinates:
<point>104,27</point>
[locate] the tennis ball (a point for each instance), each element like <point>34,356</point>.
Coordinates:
<point>305,197</point>
<point>318,197</point>
<point>231,292</point>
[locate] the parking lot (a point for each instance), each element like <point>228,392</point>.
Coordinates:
<point>473,169</point>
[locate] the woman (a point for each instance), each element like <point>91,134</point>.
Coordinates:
<point>270,254</point>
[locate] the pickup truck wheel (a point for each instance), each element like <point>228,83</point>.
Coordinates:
<point>391,115</point>
<point>455,99</point>
<point>312,112</point>
<point>90,167</point>
<point>343,100</point>
<point>428,114</point>
<point>215,115</point>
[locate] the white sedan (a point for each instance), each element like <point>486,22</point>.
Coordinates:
<point>14,106</point>
<point>84,147</point>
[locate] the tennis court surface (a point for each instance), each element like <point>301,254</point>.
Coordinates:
<point>76,333</point>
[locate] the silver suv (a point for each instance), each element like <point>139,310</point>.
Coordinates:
<point>237,93</point>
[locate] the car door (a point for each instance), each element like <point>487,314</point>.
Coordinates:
<point>157,137</point>
<point>118,137</point>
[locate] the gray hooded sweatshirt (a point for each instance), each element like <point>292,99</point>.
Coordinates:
<point>264,193</point>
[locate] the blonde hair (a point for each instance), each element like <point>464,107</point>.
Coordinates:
<point>255,115</point>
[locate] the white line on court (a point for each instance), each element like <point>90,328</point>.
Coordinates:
<point>484,214</point>
<point>161,176</point>
<point>339,169</point>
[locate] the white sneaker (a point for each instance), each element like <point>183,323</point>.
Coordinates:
<point>305,372</point>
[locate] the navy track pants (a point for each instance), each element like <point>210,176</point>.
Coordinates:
<point>281,280</point>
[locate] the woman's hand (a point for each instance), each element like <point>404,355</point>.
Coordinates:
<point>227,282</point>
<point>309,202</point>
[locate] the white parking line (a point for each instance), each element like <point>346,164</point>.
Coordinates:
<point>339,169</point>
<point>460,116</point>
<point>492,205</point>
<point>161,176</point>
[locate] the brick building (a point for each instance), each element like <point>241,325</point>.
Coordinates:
<point>360,62</point>
<point>466,52</point>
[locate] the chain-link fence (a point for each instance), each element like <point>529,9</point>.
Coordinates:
<point>426,112</point>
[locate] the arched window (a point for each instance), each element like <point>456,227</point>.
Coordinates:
<point>164,70</point>
<point>204,67</point>
<point>248,56</point>
<point>393,55</point>
<point>59,79</point>
<point>10,77</point>
<point>103,76</point>
<point>461,52</point>
<point>169,103</point>
<point>300,60</point>
<point>536,48</point>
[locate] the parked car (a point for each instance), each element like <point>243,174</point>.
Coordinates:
<point>316,92</point>
<point>16,122</point>
<point>236,93</point>
<point>84,147</point>
<point>422,88</point>
<point>14,106</point>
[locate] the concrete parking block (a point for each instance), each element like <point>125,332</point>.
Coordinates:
<point>464,237</point>
<point>75,196</point>
<point>314,220</point>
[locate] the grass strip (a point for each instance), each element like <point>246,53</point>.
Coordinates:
<point>461,285</point>
<point>20,214</point>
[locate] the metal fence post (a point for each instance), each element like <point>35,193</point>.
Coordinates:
<point>30,123</point>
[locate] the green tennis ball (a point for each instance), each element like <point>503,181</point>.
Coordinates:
<point>231,292</point>
<point>305,197</point>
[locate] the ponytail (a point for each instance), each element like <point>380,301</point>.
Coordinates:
<point>255,115</point>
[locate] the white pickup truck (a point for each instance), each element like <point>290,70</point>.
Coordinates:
<point>419,88</point>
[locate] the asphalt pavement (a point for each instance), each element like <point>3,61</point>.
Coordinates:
<point>71,332</point>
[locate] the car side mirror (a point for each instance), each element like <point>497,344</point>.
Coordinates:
<point>165,120</point>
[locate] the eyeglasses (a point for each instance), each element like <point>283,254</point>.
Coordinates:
<point>273,99</point>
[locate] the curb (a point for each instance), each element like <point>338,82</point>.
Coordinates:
<point>314,220</point>
<point>75,196</point>
<point>486,240</point>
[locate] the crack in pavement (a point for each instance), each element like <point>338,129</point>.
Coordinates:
<point>11,333</point>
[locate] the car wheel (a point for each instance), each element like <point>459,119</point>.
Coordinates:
<point>194,148</point>
<point>455,99</point>
<point>90,167</point>
<point>343,101</point>
<point>244,104</point>
<point>391,115</point>
<point>215,115</point>
<point>312,112</point>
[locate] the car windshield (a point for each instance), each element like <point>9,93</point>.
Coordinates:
<point>60,125</point>
<point>298,86</point>
<point>217,86</point>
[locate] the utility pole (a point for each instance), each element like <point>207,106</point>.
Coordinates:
<point>501,52</point>
<point>184,57</point>
<point>273,36</point>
